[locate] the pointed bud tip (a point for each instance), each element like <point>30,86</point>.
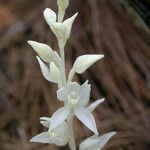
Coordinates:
<point>46,10</point>
<point>30,42</point>
<point>114,133</point>
<point>76,14</point>
<point>32,140</point>
<point>100,56</point>
<point>102,100</point>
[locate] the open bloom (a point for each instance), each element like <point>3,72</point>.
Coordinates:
<point>58,135</point>
<point>76,99</point>
<point>95,142</point>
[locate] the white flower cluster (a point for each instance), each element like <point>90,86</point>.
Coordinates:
<point>74,96</point>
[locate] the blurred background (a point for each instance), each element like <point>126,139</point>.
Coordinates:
<point>119,29</point>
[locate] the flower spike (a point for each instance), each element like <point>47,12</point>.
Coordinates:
<point>75,97</point>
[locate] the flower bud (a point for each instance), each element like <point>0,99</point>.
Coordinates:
<point>50,16</point>
<point>55,72</point>
<point>45,70</point>
<point>43,50</point>
<point>83,62</point>
<point>68,24</point>
<point>62,4</point>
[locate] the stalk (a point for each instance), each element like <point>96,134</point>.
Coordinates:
<point>63,68</point>
<point>71,140</point>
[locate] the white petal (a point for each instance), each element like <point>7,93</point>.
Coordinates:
<point>59,116</point>
<point>62,94</point>
<point>85,116</point>
<point>83,62</point>
<point>92,106</point>
<point>73,87</point>
<point>95,142</point>
<point>68,24</point>
<point>45,70</point>
<point>104,139</point>
<point>55,72</point>
<point>84,94</point>
<point>50,16</point>
<point>43,50</point>
<point>62,134</point>
<point>45,121</point>
<point>89,142</point>
<point>42,138</point>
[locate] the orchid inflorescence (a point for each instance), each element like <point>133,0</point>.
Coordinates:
<point>74,96</point>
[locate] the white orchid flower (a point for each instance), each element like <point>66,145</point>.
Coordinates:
<point>58,136</point>
<point>95,142</point>
<point>61,30</point>
<point>76,98</point>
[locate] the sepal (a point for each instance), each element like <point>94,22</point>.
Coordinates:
<point>59,116</point>
<point>45,121</point>
<point>50,16</point>
<point>95,142</point>
<point>45,70</point>
<point>82,63</point>
<point>85,116</point>
<point>43,50</point>
<point>92,106</point>
<point>55,72</point>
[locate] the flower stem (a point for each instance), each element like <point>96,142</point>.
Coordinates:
<point>71,140</point>
<point>63,70</point>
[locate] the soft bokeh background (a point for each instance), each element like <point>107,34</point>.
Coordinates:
<point>119,29</point>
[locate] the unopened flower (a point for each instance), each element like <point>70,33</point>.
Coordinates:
<point>62,6</point>
<point>95,142</point>
<point>58,135</point>
<point>51,73</point>
<point>43,50</point>
<point>61,30</point>
<point>82,63</point>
